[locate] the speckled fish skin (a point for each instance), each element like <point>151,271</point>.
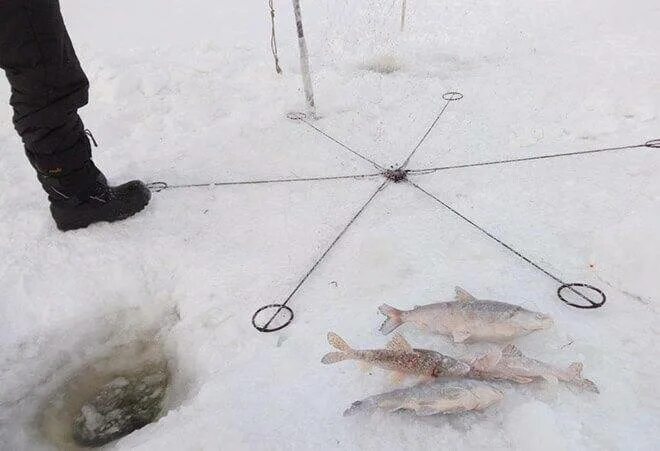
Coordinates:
<point>511,364</point>
<point>400,358</point>
<point>444,397</point>
<point>469,319</point>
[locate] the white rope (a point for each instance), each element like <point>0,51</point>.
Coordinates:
<point>273,41</point>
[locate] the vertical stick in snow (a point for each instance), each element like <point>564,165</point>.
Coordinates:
<point>304,59</point>
<point>273,40</point>
<point>403,15</point>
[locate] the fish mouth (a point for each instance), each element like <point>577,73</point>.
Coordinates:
<point>543,322</point>
<point>547,322</point>
<point>497,396</point>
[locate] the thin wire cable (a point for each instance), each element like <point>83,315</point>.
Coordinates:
<point>517,160</point>
<point>498,240</point>
<point>320,259</point>
<point>160,186</point>
<point>336,141</point>
<point>428,132</point>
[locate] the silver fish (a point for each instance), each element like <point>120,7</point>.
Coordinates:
<point>468,319</point>
<point>511,364</point>
<point>399,357</point>
<point>431,398</point>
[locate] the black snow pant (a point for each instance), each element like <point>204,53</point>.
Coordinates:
<point>47,88</point>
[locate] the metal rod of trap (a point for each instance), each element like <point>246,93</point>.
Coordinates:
<point>304,60</point>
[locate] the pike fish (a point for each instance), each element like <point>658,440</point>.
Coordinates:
<point>399,357</point>
<point>511,364</point>
<point>468,319</point>
<point>431,398</point>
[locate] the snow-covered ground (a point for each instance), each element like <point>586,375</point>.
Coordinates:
<point>184,91</point>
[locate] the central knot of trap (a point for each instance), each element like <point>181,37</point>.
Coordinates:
<point>396,175</point>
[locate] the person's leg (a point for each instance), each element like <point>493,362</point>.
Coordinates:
<point>47,88</point>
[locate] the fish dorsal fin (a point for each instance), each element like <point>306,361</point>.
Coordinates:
<point>398,343</point>
<point>463,296</point>
<point>511,351</point>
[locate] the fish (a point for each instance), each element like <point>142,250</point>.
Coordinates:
<point>399,357</point>
<point>511,364</point>
<point>468,319</point>
<point>443,396</point>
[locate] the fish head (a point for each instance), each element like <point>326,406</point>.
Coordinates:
<point>529,320</point>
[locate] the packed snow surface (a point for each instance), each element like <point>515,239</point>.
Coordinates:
<point>185,91</point>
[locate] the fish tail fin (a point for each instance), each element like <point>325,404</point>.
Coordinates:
<point>393,320</point>
<point>487,361</point>
<point>575,370</point>
<point>338,343</point>
<point>588,385</point>
<point>368,405</point>
<point>575,374</point>
<point>334,357</point>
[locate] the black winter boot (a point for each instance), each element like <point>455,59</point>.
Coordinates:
<point>84,197</point>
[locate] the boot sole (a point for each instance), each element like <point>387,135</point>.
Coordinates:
<point>82,222</point>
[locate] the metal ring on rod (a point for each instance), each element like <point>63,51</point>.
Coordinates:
<point>592,303</point>
<point>266,325</point>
